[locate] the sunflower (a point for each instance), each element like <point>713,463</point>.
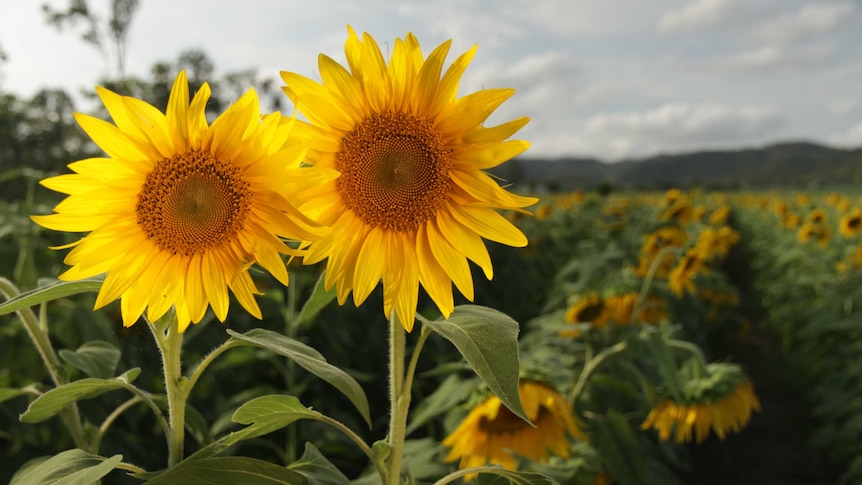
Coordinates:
<point>681,277</point>
<point>412,203</point>
<point>851,223</point>
<point>723,402</point>
<point>180,209</point>
<point>491,433</point>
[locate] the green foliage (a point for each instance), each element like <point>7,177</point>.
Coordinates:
<point>488,340</point>
<point>71,467</point>
<point>310,360</point>
<point>52,402</point>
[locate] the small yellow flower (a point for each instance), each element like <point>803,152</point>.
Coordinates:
<point>817,216</point>
<point>490,432</point>
<point>413,202</point>
<point>818,232</point>
<point>180,209</point>
<point>719,216</point>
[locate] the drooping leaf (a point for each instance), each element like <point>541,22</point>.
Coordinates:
<point>228,470</point>
<point>53,401</point>
<point>310,360</point>
<point>317,301</point>
<point>50,292</point>
<point>95,358</point>
<point>317,469</point>
<point>488,341</point>
<point>71,467</point>
<point>263,415</point>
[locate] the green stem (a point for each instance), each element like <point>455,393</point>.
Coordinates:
<point>72,417</point>
<point>591,366</point>
<point>169,340</point>
<point>106,424</point>
<point>290,323</point>
<point>700,358</point>
<point>398,401</point>
<point>656,263</point>
<point>414,360</point>
<point>206,361</point>
<point>378,463</point>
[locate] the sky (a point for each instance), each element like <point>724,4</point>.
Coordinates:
<point>606,79</point>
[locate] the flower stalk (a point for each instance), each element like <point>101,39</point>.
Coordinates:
<point>169,340</point>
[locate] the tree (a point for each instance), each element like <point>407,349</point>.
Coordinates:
<point>110,38</point>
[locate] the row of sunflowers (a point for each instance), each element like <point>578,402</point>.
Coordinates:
<point>638,288</point>
<point>805,254</point>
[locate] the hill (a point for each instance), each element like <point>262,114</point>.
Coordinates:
<point>785,165</point>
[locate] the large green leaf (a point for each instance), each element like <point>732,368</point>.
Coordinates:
<point>310,360</point>
<point>228,470</point>
<point>53,401</point>
<point>317,301</point>
<point>317,469</point>
<point>95,358</point>
<point>50,292</point>
<point>71,467</point>
<point>488,340</point>
<point>263,415</point>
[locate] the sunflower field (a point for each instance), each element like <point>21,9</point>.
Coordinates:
<point>203,303</point>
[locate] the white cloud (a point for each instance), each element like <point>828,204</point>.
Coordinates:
<point>697,15</point>
<point>851,138</point>
<point>681,126</point>
<point>810,20</point>
<point>771,59</point>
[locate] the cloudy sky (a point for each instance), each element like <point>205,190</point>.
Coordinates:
<point>611,79</point>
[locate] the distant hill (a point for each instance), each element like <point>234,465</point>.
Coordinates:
<point>785,165</point>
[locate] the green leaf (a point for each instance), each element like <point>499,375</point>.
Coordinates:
<point>317,469</point>
<point>54,291</point>
<point>310,360</point>
<point>263,415</point>
<point>228,470</point>
<point>488,340</point>
<point>8,393</point>
<point>497,475</point>
<point>96,358</point>
<point>71,467</point>
<point>53,401</point>
<point>318,300</point>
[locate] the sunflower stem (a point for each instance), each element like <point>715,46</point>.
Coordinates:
<point>169,339</point>
<point>591,366</point>
<point>399,402</point>
<point>39,335</point>
<point>695,351</point>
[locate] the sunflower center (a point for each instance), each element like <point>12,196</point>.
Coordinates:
<point>193,202</point>
<point>394,171</point>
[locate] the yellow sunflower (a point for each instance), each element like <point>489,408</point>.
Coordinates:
<point>727,413</point>
<point>412,203</point>
<point>681,278</point>
<point>491,433</point>
<point>851,223</point>
<point>180,209</point>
